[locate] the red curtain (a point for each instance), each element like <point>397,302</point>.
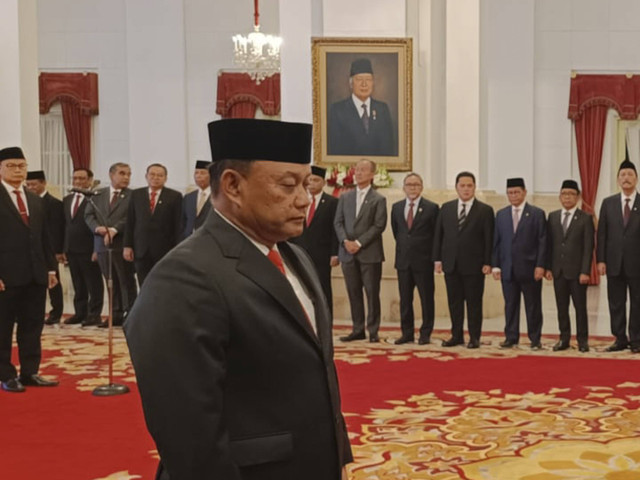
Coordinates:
<point>78,95</point>
<point>238,96</point>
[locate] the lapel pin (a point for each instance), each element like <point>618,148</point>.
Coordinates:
<point>526,214</point>
<point>374,114</point>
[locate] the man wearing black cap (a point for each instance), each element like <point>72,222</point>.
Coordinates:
<point>360,125</point>
<point>27,268</point>
<point>231,336</point>
<point>37,183</point>
<point>570,234</point>
<point>197,204</point>
<point>519,258</point>
<point>618,256</point>
<point>319,236</point>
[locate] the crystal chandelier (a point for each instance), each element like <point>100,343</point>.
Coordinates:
<point>257,54</point>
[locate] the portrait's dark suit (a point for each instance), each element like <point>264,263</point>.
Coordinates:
<point>517,255</point>
<point>569,255</point>
<point>191,220</point>
<point>87,282</point>
<point>463,252</point>
<point>347,135</point>
<point>619,248</point>
<point>55,223</point>
<point>152,234</point>
<point>320,241</point>
<point>364,269</point>
<point>26,258</point>
<point>124,282</point>
<point>254,393</point>
<point>414,248</point>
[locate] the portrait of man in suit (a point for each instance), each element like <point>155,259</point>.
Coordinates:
<point>361,217</point>
<point>196,205</point>
<point>519,259</point>
<point>413,221</point>
<point>361,124</point>
<point>154,222</point>
<point>618,257</point>
<point>570,234</point>
<point>319,236</point>
<point>462,250</point>
<point>236,317</point>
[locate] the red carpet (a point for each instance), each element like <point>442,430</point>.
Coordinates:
<point>414,412</point>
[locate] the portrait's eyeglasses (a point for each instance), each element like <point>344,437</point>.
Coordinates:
<point>13,166</point>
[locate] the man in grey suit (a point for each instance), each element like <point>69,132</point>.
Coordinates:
<point>570,234</point>
<point>618,256</point>
<point>197,204</point>
<point>361,217</point>
<point>108,229</point>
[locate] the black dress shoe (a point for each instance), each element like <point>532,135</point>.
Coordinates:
<point>560,346</point>
<point>536,346</point>
<point>616,347</point>
<point>37,381</point>
<point>424,340</point>
<point>13,386</point>
<point>635,348</point>
<point>402,340</point>
<point>51,320</point>
<point>374,339</point>
<point>353,336</point>
<point>583,347</point>
<point>452,342</point>
<point>74,320</point>
<point>91,321</point>
<point>507,344</point>
<point>473,344</point>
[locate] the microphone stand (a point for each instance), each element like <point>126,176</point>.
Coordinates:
<point>111,388</point>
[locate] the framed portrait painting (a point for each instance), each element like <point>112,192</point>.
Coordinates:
<point>362,101</point>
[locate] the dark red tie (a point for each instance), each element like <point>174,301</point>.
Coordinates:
<point>312,211</point>
<point>152,201</point>
<point>627,211</point>
<point>76,205</point>
<point>410,216</point>
<point>114,199</point>
<point>22,207</point>
<point>276,259</point>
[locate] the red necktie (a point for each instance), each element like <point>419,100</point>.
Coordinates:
<point>22,208</point>
<point>76,205</point>
<point>410,216</point>
<point>114,199</point>
<point>276,259</point>
<point>312,211</point>
<point>152,201</point>
<point>627,211</point>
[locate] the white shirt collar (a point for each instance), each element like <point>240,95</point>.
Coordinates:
<point>260,246</point>
<point>572,211</point>
<point>632,197</point>
<point>10,188</point>
<point>158,192</point>
<point>365,190</point>
<point>358,103</point>
<point>468,203</point>
<point>519,207</point>
<point>207,190</point>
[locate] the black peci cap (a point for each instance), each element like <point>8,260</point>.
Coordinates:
<point>319,171</point>
<point>36,175</point>
<point>572,184</point>
<point>11,153</point>
<point>515,182</point>
<point>361,65</point>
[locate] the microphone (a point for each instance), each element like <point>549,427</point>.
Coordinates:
<point>84,191</point>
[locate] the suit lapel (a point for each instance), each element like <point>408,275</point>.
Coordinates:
<point>9,203</point>
<point>572,221</point>
<point>634,210</point>
<point>365,202</point>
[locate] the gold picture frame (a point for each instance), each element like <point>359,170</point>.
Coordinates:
<point>338,131</point>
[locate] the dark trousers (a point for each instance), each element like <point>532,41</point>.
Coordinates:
<point>356,277</point>
<point>143,267</point>
<point>408,280</point>
<point>463,289</point>
<point>56,298</point>
<point>24,306</point>
<point>532,293</point>
<point>617,292</point>
<point>567,290</point>
<point>88,286</point>
<point>124,282</point>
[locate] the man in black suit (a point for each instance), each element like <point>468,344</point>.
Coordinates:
<point>413,221</point>
<point>37,183</point>
<point>618,256</point>
<point>109,228</point>
<point>27,268</point>
<point>360,125</point>
<point>236,318</point>
<point>519,259</point>
<point>196,205</point>
<point>462,250</point>
<point>361,217</point>
<point>154,222</point>
<point>88,297</point>
<point>319,236</point>
<point>571,237</point>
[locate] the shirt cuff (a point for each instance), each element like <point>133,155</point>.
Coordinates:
<point>359,244</point>
<point>496,270</point>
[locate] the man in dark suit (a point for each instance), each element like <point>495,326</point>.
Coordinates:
<point>88,297</point>
<point>196,205</point>
<point>237,319</point>
<point>570,236</point>
<point>109,228</point>
<point>27,268</point>
<point>361,217</point>
<point>154,222</point>
<point>360,125</point>
<point>37,183</point>
<point>462,250</point>
<point>319,236</point>
<point>519,258</point>
<point>618,256</point>
<point>413,221</point>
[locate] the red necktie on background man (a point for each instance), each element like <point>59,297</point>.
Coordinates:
<point>152,201</point>
<point>312,211</point>
<point>22,208</point>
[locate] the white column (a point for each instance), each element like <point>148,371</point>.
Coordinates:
<point>157,98</point>
<point>462,89</point>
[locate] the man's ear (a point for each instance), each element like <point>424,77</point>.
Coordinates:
<point>231,185</point>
